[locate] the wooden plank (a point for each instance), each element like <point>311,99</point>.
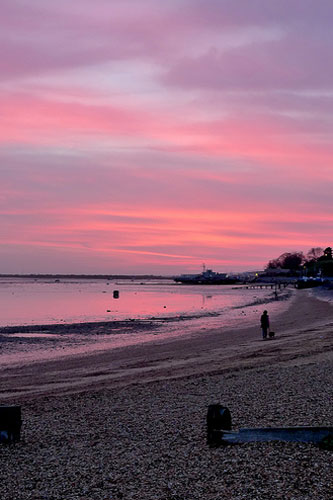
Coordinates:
<point>302,434</point>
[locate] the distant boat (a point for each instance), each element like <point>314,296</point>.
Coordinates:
<point>207,277</point>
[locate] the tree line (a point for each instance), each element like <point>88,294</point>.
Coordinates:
<point>317,261</point>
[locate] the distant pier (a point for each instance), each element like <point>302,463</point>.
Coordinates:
<point>272,286</point>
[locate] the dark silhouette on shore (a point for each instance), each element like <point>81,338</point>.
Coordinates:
<point>264,323</point>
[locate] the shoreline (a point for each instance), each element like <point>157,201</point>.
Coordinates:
<point>99,326</point>
<point>28,343</point>
<point>42,314</point>
<point>302,331</point>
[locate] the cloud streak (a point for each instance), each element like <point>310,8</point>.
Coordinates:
<point>150,137</point>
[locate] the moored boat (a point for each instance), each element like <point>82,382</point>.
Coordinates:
<point>207,277</point>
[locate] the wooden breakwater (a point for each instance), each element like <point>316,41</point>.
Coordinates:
<point>272,286</point>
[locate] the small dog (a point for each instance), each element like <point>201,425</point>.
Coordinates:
<point>271,334</point>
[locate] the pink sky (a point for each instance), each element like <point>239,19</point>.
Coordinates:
<point>144,136</point>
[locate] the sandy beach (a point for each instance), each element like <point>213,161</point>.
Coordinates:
<point>130,423</point>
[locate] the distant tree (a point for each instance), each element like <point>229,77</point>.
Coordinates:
<point>314,253</point>
<point>287,260</point>
<point>328,253</point>
<point>273,264</point>
<point>293,261</point>
<point>326,262</point>
<point>316,261</point>
<point>277,263</point>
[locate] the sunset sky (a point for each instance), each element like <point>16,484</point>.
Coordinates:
<point>150,136</point>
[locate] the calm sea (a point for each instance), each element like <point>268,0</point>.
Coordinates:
<point>47,302</point>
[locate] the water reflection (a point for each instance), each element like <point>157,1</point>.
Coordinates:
<point>191,308</point>
<point>31,302</point>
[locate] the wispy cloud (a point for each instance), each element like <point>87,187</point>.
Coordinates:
<point>146,136</point>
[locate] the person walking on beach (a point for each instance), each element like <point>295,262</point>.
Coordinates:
<point>264,322</point>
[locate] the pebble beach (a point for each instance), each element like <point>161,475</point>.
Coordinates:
<point>130,424</point>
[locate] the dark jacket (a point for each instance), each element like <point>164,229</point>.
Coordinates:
<point>264,321</point>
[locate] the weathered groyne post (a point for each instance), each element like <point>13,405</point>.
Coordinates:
<point>10,424</point>
<point>219,432</point>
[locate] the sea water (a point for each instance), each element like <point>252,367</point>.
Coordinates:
<point>177,309</point>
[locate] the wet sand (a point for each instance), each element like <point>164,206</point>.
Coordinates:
<point>130,423</point>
